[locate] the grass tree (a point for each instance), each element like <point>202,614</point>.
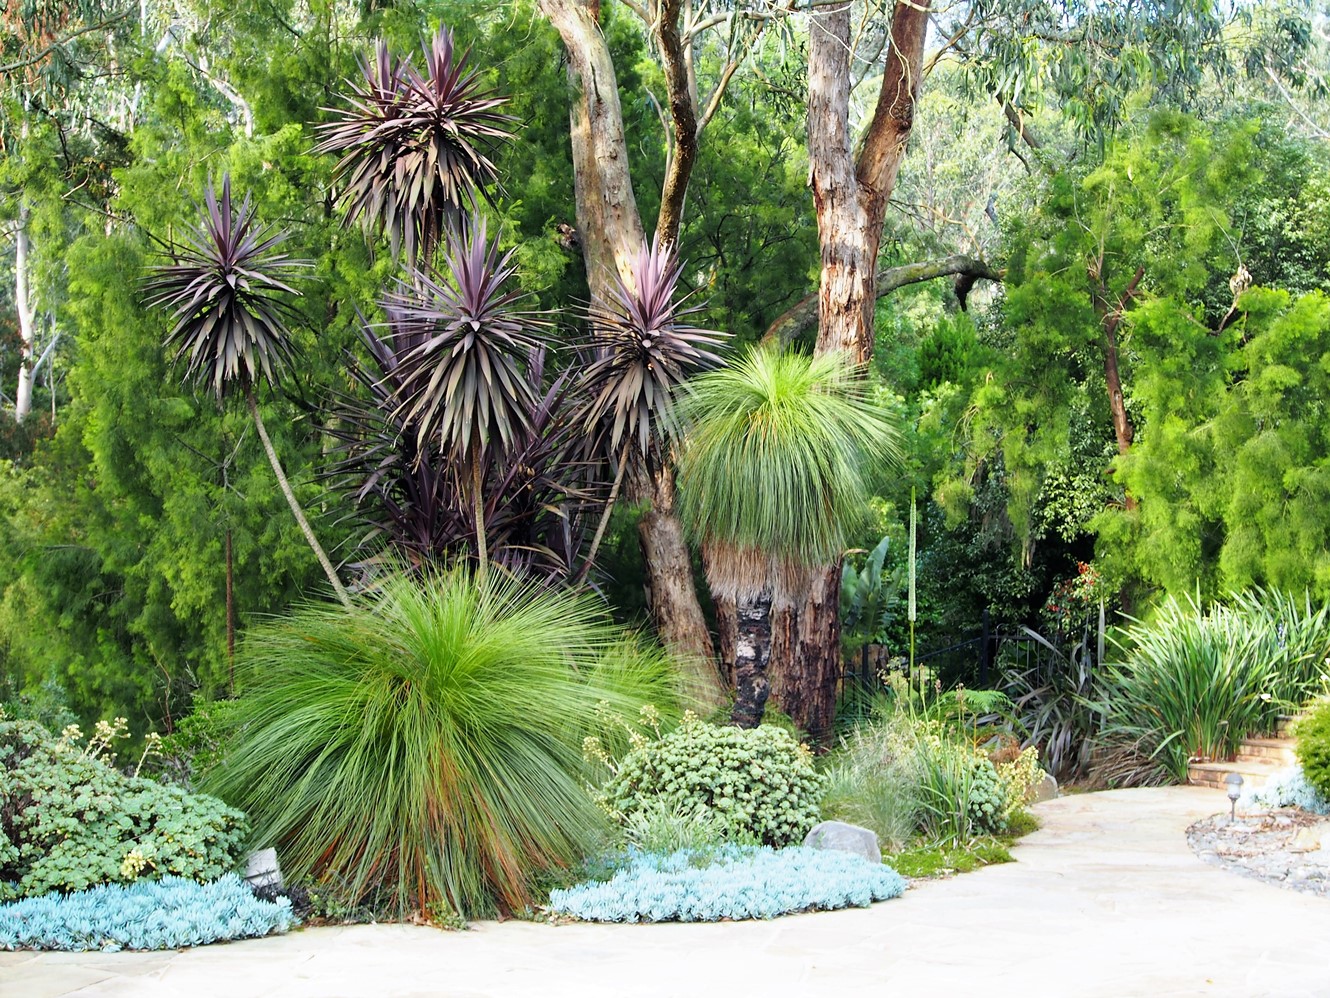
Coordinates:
<point>228,290</point>
<point>772,475</point>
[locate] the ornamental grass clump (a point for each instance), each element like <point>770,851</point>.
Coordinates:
<point>424,748</point>
<point>1192,683</point>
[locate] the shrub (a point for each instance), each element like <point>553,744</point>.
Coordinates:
<point>1314,747</point>
<point>759,781</point>
<point>1192,684</point>
<point>737,883</point>
<point>163,914</point>
<point>870,784</point>
<point>71,821</point>
<point>1287,787</point>
<point>425,746</point>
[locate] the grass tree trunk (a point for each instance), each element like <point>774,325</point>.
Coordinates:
<point>752,653</point>
<point>850,194</point>
<point>610,226</point>
<point>291,500</point>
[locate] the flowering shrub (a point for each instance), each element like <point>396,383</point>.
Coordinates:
<point>1018,778</point>
<point>1286,787</point>
<point>760,782</point>
<point>735,882</point>
<point>163,914</point>
<point>69,820</point>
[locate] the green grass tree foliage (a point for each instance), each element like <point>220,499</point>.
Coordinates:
<point>226,290</point>
<point>772,475</point>
<point>415,145</point>
<point>424,748</point>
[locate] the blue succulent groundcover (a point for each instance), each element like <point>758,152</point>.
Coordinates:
<point>158,914</point>
<point>735,882</point>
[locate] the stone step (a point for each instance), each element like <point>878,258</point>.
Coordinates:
<point>1278,749</point>
<point>1212,774</point>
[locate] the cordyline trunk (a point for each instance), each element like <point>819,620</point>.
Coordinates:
<point>612,234</point>
<point>291,501</point>
<point>752,652</point>
<point>850,195</point>
<point>26,317</point>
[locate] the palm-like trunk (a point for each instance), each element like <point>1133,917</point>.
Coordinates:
<point>291,500</point>
<point>752,653</point>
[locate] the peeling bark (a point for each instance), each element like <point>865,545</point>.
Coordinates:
<point>612,234</point>
<point>850,196</point>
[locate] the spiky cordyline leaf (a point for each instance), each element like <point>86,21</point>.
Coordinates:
<point>414,145</point>
<point>538,495</point>
<point>644,349</point>
<point>772,470</point>
<point>463,381</point>
<point>226,290</point>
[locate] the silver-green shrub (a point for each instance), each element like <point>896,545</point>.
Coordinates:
<point>759,781</point>
<point>69,821</point>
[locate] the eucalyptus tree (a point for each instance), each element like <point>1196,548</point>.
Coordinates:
<point>227,290</point>
<point>772,475</point>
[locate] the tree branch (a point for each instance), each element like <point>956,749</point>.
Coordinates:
<point>880,158</point>
<point>683,117</point>
<point>802,316</point>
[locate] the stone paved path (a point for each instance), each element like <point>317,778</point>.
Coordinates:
<point>1105,900</point>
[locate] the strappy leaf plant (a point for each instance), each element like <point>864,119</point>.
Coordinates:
<point>645,348</point>
<point>228,289</point>
<point>465,384</point>
<point>772,474</point>
<point>414,145</point>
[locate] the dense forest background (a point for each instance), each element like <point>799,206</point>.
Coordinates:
<point>1141,189</point>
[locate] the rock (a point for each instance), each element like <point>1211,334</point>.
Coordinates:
<point>844,837</point>
<point>1306,840</point>
<point>261,869</point>
<point>1045,789</point>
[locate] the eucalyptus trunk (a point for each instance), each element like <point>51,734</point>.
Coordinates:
<point>752,653</point>
<point>850,195</point>
<point>26,316</point>
<point>291,500</point>
<point>612,234</point>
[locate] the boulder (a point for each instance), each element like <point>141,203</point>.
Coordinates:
<point>262,870</point>
<point>1045,789</point>
<point>843,837</point>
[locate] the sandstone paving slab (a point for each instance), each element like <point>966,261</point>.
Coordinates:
<point>1106,899</point>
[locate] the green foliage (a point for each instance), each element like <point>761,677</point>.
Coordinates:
<point>426,744</point>
<point>928,861</point>
<point>760,782</point>
<point>1313,748</point>
<point>868,785</point>
<point>1192,683</point>
<point>772,469</point>
<point>199,742</point>
<point>71,821</point>
<point>869,598</point>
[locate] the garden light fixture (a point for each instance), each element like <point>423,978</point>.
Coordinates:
<point>1234,783</point>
